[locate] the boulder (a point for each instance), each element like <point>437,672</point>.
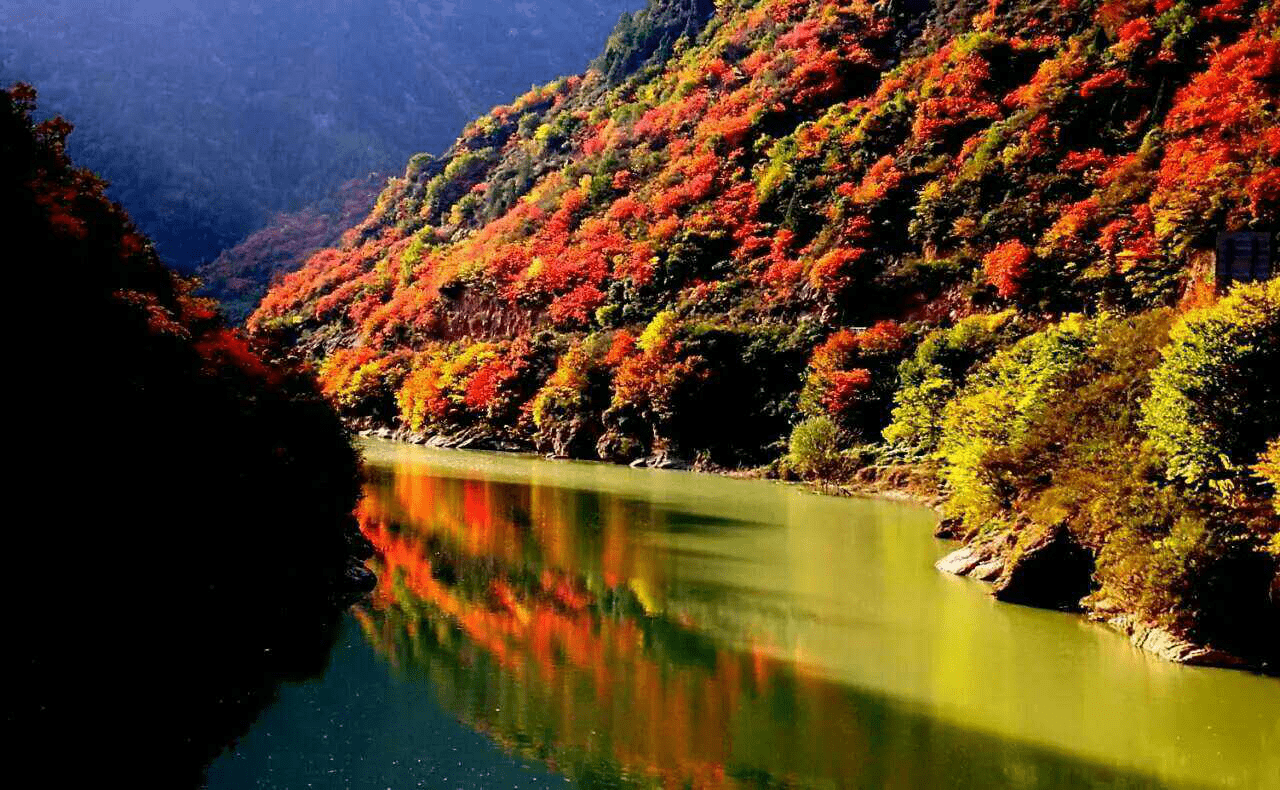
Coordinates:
<point>989,570</point>
<point>948,528</point>
<point>960,562</point>
<point>1048,568</point>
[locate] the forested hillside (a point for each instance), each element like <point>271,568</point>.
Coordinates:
<point>208,118</point>
<point>973,242</point>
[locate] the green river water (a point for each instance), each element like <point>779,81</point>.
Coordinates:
<point>543,623</point>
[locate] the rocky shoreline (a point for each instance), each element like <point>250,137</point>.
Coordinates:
<point>477,439</point>
<point>1052,572</point>
<point>1049,571</point>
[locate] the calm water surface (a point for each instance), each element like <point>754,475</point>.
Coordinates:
<point>539,623</point>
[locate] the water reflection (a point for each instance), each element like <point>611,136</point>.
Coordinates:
<point>638,629</point>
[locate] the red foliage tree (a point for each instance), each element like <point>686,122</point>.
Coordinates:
<point>1006,267</point>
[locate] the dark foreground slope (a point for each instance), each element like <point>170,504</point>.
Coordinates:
<point>842,238</point>
<point>187,538</point>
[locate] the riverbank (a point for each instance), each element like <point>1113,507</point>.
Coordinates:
<point>916,484</point>
<point>1049,572</point>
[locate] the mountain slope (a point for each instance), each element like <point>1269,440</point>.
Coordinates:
<point>876,221</point>
<point>209,118</point>
<point>239,277</point>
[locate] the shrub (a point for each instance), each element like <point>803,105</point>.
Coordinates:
<point>852,376</point>
<point>433,395</point>
<point>1006,267</point>
<point>361,383</point>
<point>566,410</point>
<point>1268,470</point>
<point>741,410</point>
<point>1174,562</point>
<point>1050,432</point>
<point>815,448</point>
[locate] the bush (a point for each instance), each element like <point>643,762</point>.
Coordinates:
<point>815,448</point>
<point>1196,570</point>
<point>1268,470</point>
<point>218,506</point>
<point>1050,432</point>
<point>852,377</point>
<point>741,410</point>
<point>565,411</point>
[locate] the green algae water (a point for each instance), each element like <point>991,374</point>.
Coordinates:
<point>540,624</point>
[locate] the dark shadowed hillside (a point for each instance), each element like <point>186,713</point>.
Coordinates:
<point>209,117</point>
<point>190,542</point>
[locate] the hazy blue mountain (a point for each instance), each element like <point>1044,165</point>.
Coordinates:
<point>208,117</point>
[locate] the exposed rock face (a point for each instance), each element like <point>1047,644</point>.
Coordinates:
<point>474,438</point>
<point>960,562</point>
<point>617,447</point>
<point>948,528</point>
<point>983,559</point>
<point>573,440</point>
<point>989,570</point>
<point>1171,647</point>
<point>1046,568</point>
<point>975,562</point>
<point>1049,569</point>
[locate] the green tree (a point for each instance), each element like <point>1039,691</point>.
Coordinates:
<point>936,371</point>
<point>1215,399</point>
<point>1005,399</point>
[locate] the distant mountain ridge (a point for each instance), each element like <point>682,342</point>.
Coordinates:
<point>209,118</point>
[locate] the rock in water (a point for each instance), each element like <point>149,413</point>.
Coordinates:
<point>1049,569</point>
<point>959,562</point>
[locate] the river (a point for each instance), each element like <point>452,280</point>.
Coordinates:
<point>540,624</point>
